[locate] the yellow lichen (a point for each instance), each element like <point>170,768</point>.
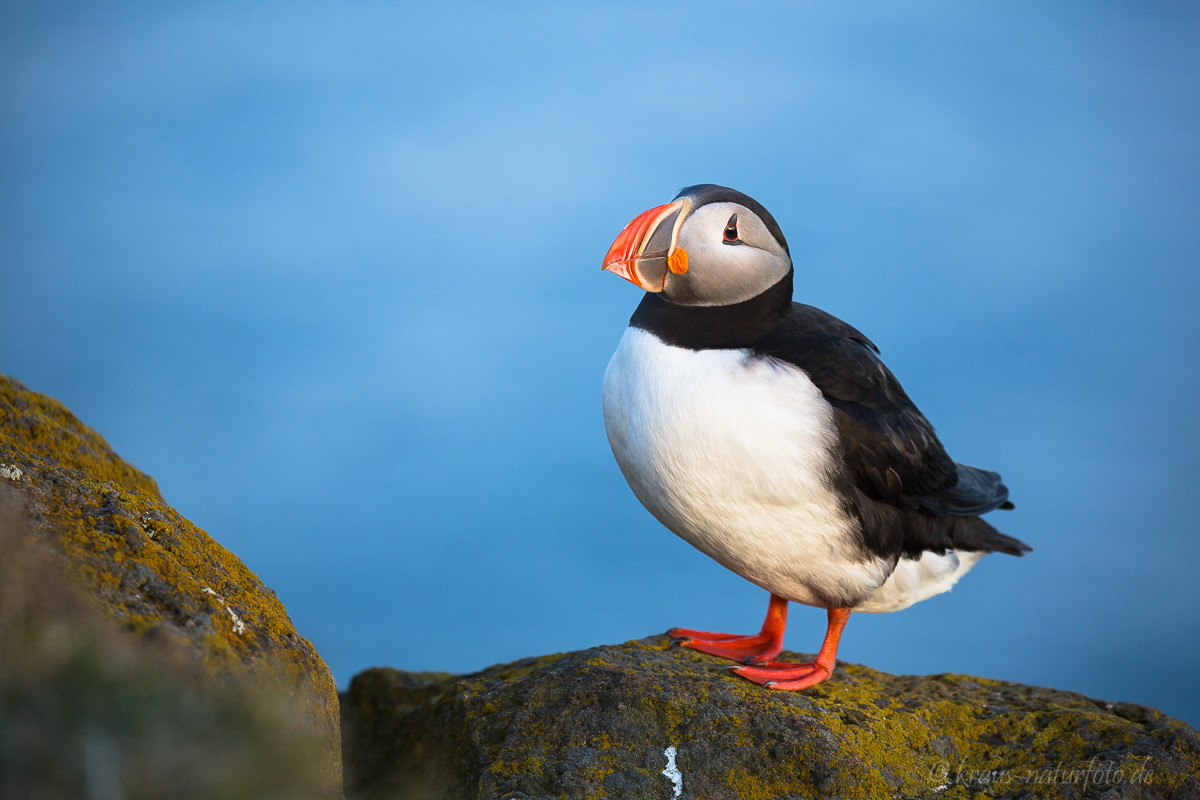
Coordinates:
<point>106,518</point>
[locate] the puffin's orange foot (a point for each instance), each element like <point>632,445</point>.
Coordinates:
<point>678,634</point>
<point>755,648</point>
<point>791,677</point>
<point>785,676</point>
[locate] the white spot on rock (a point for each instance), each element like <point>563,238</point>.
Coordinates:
<point>13,473</point>
<point>239,627</point>
<point>146,526</point>
<point>672,772</point>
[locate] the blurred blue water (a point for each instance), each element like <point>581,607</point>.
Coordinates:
<point>331,275</point>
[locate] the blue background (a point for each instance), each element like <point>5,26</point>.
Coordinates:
<point>331,275</point>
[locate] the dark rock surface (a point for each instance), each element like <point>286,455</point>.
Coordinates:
<point>104,524</point>
<point>599,722</point>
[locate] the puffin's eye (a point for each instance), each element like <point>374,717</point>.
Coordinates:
<point>731,232</point>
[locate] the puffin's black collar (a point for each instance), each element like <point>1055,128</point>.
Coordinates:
<point>715,327</point>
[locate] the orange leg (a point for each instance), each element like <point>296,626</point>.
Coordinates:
<point>790,677</point>
<point>758,648</point>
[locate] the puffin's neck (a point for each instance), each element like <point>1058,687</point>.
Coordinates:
<point>715,327</point>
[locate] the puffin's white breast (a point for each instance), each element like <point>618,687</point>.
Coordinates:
<point>732,453</point>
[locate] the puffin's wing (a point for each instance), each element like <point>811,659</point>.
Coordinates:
<point>891,448</point>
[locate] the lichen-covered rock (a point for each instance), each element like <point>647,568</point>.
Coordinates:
<point>88,711</point>
<point>602,722</point>
<point>162,577</point>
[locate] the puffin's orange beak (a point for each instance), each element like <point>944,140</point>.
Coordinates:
<point>645,251</point>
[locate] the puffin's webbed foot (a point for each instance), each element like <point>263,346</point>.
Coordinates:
<point>751,649</point>
<point>790,677</point>
<point>785,676</point>
<point>754,648</point>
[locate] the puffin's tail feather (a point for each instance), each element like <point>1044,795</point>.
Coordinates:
<point>978,491</point>
<point>973,533</point>
<point>925,532</point>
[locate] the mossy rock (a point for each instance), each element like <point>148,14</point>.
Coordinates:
<point>88,711</point>
<point>598,723</point>
<point>157,574</point>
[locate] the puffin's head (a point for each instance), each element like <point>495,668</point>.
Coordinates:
<point>710,246</point>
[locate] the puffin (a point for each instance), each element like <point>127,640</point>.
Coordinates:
<point>770,435</point>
